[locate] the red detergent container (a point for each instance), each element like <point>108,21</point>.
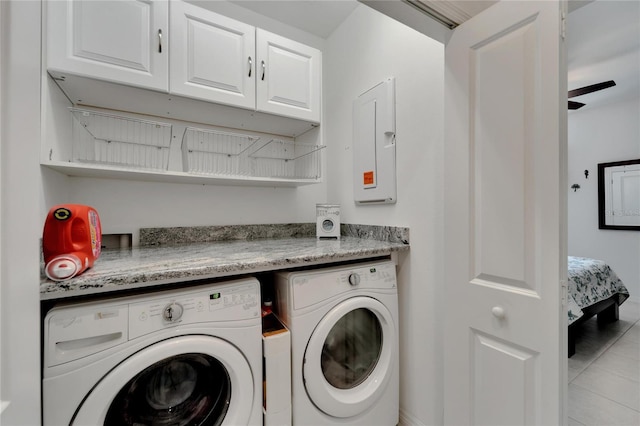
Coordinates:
<point>71,240</point>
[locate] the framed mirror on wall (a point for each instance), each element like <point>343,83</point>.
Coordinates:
<point>619,195</point>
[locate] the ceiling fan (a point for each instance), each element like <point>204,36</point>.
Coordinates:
<point>587,89</point>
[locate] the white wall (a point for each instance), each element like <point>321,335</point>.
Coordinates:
<point>3,367</point>
<point>126,206</point>
<point>19,200</point>
<point>367,48</point>
<point>600,135</point>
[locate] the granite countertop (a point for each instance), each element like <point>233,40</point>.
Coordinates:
<point>124,269</point>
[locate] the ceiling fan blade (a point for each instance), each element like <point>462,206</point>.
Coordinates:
<point>575,105</point>
<point>589,89</point>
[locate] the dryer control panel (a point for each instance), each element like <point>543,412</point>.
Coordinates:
<point>310,287</point>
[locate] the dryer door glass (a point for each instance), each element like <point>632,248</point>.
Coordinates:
<point>187,389</point>
<point>352,348</point>
<point>349,361</point>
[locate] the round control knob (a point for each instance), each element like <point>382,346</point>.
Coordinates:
<point>354,279</point>
<point>172,312</point>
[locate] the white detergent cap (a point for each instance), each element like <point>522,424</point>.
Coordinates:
<point>63,267</point>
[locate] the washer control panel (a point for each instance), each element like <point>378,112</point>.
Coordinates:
<point>223,303</point>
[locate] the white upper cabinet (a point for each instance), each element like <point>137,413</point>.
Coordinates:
<point>121,41</point>
<point>222,60</point>
<point>180,49</point>
<point>212,56</point>
<point>288,79</point>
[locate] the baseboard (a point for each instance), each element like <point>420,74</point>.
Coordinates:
<point>634,299</point>
<point>407,419</point>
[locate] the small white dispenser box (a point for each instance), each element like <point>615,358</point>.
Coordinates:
<point>276,351</point>
<point>328,221</point>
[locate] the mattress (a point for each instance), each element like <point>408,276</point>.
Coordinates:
<point>591,281</point>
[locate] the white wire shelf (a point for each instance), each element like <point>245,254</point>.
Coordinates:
<point>212,152</point>
<point>110,139</point>
<point>215,152</point>
<point>107,144</point>
<point>284,159</point>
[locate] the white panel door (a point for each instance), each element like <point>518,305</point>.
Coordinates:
<point>122,41</point>
<point>212,56</point>
<point>505,217</point>
<point>289,76</point>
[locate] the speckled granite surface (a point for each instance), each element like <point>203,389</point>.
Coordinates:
<point>195,234</point>
<point>390,234</point>
<point>162,264</point>
<point>201,234</point>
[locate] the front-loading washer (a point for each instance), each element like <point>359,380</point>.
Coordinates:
<point>176,357</point>
<point>344,343</point>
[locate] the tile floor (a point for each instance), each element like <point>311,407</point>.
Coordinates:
<point>604,374</point>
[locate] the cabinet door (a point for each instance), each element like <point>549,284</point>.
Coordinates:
<point>122,41</point>
<point>289,77</point>
<point>212,56</point>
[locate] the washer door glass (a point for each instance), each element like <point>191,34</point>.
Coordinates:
<point>189,389</point>
<point>186,380</point>
<point>349,360</point>
<point>352,349</point>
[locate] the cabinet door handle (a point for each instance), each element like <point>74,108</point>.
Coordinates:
<point>250,66</point>
<point>263,68</point>
<point>159,41</point>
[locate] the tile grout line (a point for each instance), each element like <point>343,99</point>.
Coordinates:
<point>608,347</point>
<point>606,397</point>
<point>576,421</point>
<point>637,320</point>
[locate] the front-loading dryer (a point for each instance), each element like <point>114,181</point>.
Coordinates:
<point>344,343</point>
<point>177,357</point>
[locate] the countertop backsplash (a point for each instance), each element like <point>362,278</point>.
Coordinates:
<point>204,234</point>
<point>390,234</point>
<point>201,234</point>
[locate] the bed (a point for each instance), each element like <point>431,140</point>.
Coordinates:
<point>594,289</point>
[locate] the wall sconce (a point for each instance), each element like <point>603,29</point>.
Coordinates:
<point>586,174</point>
<point>575,187</point>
